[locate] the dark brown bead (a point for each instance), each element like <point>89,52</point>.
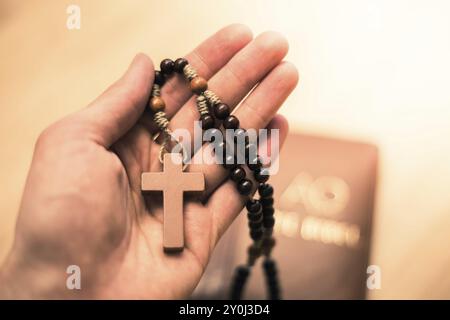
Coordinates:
<point>254,251</point>
<point>268,211</point>
<point>221,111</point>
<point>253,206</point>
<point>231,122</point>
<point>167,66</point>
<point>255,225</point>
<point>274,293</point>
<point>269,264</point>
<point>261,175</point>
<point>207,122</point>
<point>268,231</point>
<point>237,174</point>
<point>256,234</point>
<point>267,202</point>
<point>179,65</point>
<point>198,85</point>
<point>271,275</point>
<point>245,187</point>
<point>269,222</point>
<point>243,272</point>
<point>159,78</point>
<point>255,163</point>
<point>265,190</point>
<point>157,104</point>
<point>269,242</point>
<point>254,216</point>
<point>267,245</point>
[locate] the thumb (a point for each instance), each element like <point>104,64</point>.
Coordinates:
<point>116,110</point>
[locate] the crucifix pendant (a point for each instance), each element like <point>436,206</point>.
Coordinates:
<point>172,181</point>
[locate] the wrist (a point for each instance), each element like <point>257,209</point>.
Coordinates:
<point>10,281</point>
<point>23,279</point>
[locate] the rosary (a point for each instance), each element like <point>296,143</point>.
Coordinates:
<point>173,181</point>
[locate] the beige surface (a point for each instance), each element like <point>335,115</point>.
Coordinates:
<point>371,70</point>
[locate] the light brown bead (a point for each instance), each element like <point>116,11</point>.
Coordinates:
<point>157,104</point>
<point>198,85</point>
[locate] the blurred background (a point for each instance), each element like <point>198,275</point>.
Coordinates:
<point>376,72</point>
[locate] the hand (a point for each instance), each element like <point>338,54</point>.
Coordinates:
<point>82,203</point>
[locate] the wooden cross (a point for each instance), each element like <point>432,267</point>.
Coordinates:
<point>173,182</point>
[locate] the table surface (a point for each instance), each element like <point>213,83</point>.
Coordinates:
<point>370,71</point>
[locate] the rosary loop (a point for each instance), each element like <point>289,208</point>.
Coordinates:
<point>214,113</point>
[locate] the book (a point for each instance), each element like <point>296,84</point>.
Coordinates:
<point>324,201</point>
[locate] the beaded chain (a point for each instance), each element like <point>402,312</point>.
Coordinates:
<point>260,211</point>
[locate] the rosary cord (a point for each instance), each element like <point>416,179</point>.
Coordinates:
<point>202,106</point>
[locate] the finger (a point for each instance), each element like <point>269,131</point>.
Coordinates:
<point>114,112</point>
<point>255,112</point>
<point>223,215</point>
<point>208,58</point>
<point>239,76</point>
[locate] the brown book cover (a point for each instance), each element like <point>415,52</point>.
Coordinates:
<point>324,199</point>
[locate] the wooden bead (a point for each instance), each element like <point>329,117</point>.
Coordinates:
<point>179,65</point>
<point>245,187</point>
<point>254,224</point>
<point>267,202</point>
<point>267,245</point>
<point>243,272</point>
<point>198,85</point>
<point>269,264</point>
<point>254,216</point>
<point>274,294</point>
<point>254,251</point>
<point>271,275</point>
<point>269,242</point>
<point>157,104</point>
<point>167,66</point>
<point>237,174</point>
<point>261,175</point>
<point>253,205</point>
<point>256,234</point>
<point>268,232</point>
<point>269,222</point>
<point>221,111</point>
<point>159,78</point>
<point>265,190</point>
<point>207,122</point>
<point>231,122</point>
<point>268,211</point>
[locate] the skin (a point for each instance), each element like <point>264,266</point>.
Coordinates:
<point>82,202</point>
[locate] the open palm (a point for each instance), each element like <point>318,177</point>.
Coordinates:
<point>82,204</point>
